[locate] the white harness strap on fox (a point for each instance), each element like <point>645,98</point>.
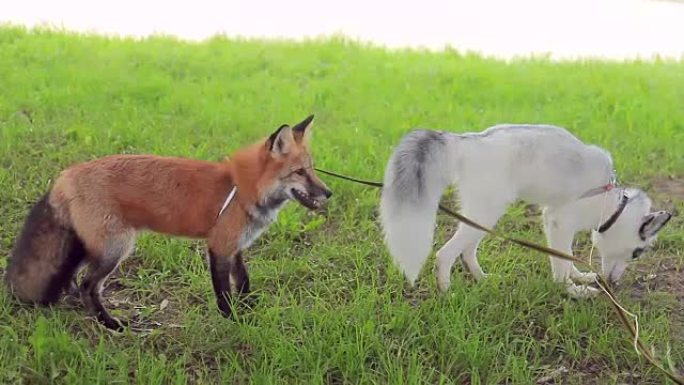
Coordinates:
<point>229,198</point>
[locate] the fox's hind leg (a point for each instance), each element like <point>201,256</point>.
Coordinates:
<point>102,264</point>
<point>107,241</point>
<point>73,289</point>
<point>466,240</point>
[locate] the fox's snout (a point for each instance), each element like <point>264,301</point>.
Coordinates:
<point>321,191</point>
<point>318,188</point>
<point>313,193</point>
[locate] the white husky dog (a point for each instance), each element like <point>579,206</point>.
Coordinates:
<point>540,164</point>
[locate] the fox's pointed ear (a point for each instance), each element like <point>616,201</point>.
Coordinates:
<point>652,223</point>
<point>281,141</point>
<point>302,131</point>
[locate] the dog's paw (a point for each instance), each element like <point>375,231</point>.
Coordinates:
<point>443,284</point>
<point>582,291</point>
<point>585,278</point>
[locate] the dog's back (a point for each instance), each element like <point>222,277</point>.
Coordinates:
<point>541,164</point>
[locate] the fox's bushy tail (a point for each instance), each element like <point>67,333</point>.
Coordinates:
<point>45,257</point>
<point>417,173</point>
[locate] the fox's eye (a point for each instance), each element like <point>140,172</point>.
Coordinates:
<point>301,172</point>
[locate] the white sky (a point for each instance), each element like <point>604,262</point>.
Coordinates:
<point>505,28</point>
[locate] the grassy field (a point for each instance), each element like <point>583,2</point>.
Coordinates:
<point>332,308</point>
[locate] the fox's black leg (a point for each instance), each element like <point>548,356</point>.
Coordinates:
<point>240,277</point>
<point>91,289</point>
<point>98,271</point>
<point>73,289</point>
<point>239,274</point>
<point>65,278</point>
<point>220,267</point>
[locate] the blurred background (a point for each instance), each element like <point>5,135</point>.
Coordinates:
<point>615,29</point>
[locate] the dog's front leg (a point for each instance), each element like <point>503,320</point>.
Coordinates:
<point>559,237</point>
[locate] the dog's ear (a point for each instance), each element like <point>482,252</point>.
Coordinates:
<point>652,223</point>
<point>302,130</point>
<point>281,141</point>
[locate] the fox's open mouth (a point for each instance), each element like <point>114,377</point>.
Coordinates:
<point>305,199</point>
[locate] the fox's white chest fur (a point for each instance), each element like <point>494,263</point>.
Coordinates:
<point>260,218</point>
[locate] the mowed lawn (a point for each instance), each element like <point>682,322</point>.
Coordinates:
<point>332,308</point>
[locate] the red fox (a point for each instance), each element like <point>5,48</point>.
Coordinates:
<point>94,210</point>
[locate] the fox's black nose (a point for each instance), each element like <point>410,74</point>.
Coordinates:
<point>328,194</point>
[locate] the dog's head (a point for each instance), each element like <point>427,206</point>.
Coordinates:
<point>628,232</point>
<point>289,166</point>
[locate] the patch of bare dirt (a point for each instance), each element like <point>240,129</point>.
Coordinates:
<point>654,283</point>
<point>662,284</point>
<point>668,189</point>
<point>417,294</point>
<point>586,372</point>
<point>665,275</point>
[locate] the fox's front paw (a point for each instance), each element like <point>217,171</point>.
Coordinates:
<point>224,308</point>
<point>249,301</point>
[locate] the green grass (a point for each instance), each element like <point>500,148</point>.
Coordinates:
<point>332,308</point>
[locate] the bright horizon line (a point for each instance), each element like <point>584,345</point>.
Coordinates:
<point>560,30</point>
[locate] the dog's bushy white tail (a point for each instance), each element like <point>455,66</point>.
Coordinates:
<point>416,175</point>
